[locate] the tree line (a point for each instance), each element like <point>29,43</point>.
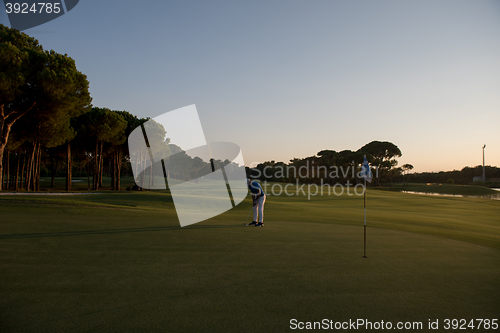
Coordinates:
<point>46,118</point>
<point>330,166</point>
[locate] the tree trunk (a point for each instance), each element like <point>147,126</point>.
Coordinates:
<point>16,179</point>
<point>1,168</point>
<point>7,171</point>
<point>101,162</point>
<point>113,170</point>
<point>118,168</point>
<point>22,171</point>
<point>137,157</point>
<point>95,162</point>
<point>38,162</point>
<point>88,171</point>
<point>29,170</point>
<point>5,126</point>
<point>143,168</point>
<point>150,175</point>
<point>1,174</point>
<point>110,166</point>
<point>13,170</point>
<point>34,168</point>
<point>69,166</point>
<point>53,172</point>
<point>4,134</point>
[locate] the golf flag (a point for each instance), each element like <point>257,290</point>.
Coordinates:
<point>366,173</point>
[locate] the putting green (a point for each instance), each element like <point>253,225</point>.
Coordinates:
<point>68,267</point>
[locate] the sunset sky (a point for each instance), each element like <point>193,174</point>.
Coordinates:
<point>287,79</point>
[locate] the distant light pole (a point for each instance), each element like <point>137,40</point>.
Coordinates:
<point>484,176</point>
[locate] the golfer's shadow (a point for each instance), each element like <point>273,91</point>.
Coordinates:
<point>112,231</point>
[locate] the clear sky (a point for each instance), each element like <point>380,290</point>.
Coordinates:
<point>287,78</point>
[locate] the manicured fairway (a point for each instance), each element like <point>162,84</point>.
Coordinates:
<point>119,262</point>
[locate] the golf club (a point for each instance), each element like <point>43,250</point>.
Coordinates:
<point>248,216</point>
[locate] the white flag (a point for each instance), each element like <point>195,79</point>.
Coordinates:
<point>366,173</point>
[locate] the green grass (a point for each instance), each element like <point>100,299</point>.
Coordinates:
<point>80,183</point>
<point>119,262</point>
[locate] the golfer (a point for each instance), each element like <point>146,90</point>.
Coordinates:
<point>259,198</point>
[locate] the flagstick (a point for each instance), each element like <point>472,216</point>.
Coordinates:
<point>364,203</point>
